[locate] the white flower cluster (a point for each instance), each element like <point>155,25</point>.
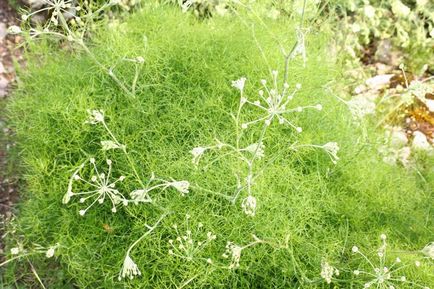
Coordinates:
<point>60,11</point>
<point>249,206</point>
<point>101,187</point>
<point>274,103</point>
<point>383,275</point>
<point>129,269</point>
<point>428,250</point>
<point>186,246</point>
<point>95,116</point>
<point>20,251</point>
<point>327,271</point>
<point>142,195</point>
<point>332,148</point>
<point>234,252</point>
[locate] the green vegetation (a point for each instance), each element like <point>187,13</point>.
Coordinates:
<point>309,210</point>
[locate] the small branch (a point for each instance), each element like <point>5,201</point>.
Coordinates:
<point>147,233</point>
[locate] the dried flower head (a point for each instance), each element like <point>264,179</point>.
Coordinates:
<point>428,250</point>
<point>249,206</point>
<point>51,250</point>
<point>239,84</point>
<point>274,103</point>
<point>255,149</point>
<point>110,145</point>
<point>332,148</point>
<point>327,271</point>
<point>140,196</point>
<point>95,116</point>
<point>197,154</point>
<point>15,251</point>
<point>180,186</point>
<point>129,269</point>
<point>233,251</point>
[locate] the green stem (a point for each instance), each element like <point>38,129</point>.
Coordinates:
<point>127,155</point>
<point>146,234</point>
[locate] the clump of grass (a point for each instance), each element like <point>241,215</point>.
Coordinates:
<point>309,210</point>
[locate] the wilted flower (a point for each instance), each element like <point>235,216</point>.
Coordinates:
<point>95,116</point>
<point>332,148</point>
<point>300,49</point>
<point>129,269</point>
<point>140,196</point>
<point>428,250</point>
<point>327,272</point>
<point>50,252</point>
<point>256,150</point>
<point>15,251</point>
<point>383,276</point>
<point>249,206</point>
<point>69,192</point>
<point>180,186</point>
<point>239,84</point>
<point>109,145</point>
<point>197,154</point>
<point>234,251</point>
<point>102,187</point>
<point>14,29</point>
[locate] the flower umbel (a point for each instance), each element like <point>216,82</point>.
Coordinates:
<point>142,195</point>
<point>382,275</point>
<point>428,250</point>
<point>239,84</point>
<point>95,116</point>
<point>110,145</point>
<point>187,246</point>
<point>197,154</point>
<point>255,149</point>
<point>101,187</point>
<point>332,148</point>
<point>327,271</point>
<point>234,251</point>
<point>274,103</point>
<point>129,269</point>
<point>249,206</point>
